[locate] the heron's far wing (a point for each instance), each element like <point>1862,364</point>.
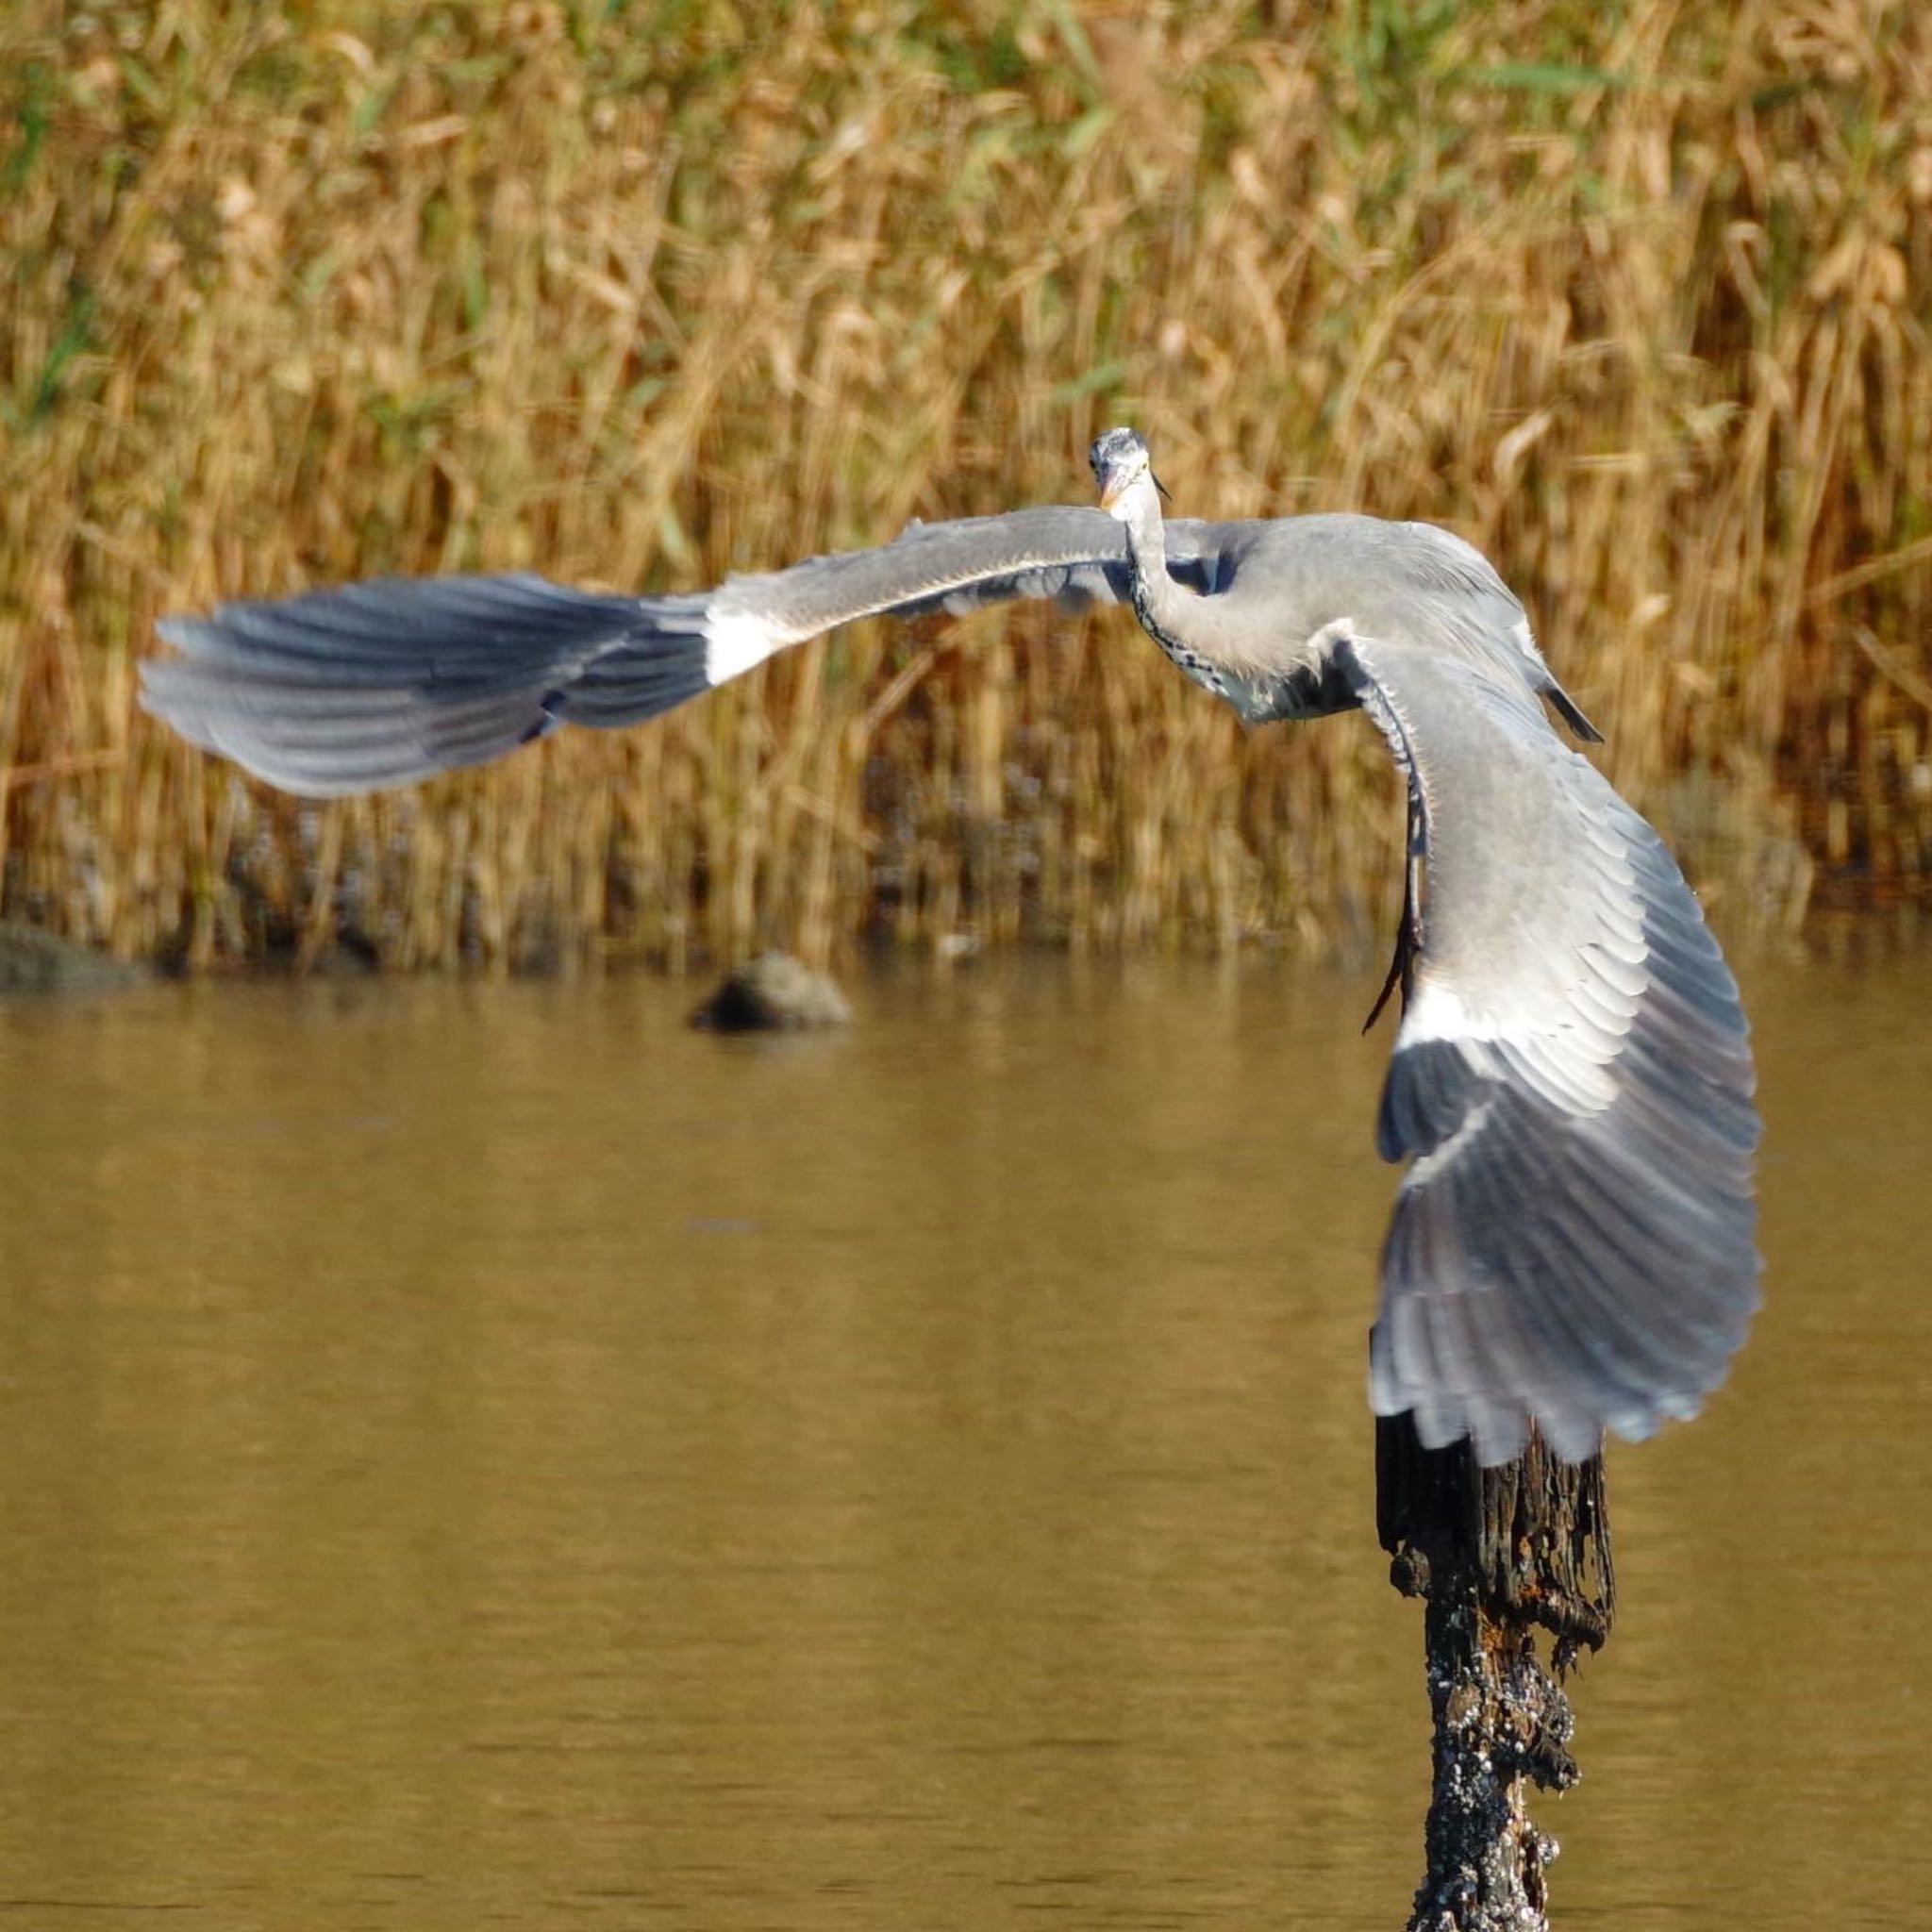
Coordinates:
<point>1574,1238</point>
<point>383,682</point>
<point>379,683</point>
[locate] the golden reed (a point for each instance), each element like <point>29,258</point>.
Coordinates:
<point>1636,297</point>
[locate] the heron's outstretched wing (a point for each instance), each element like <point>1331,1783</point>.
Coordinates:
<point>1574,1238</point>
<point>383,682</point>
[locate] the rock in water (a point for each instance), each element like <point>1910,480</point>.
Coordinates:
<point>773,992</point>
<point>40,962</point>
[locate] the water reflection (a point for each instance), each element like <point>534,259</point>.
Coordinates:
<point>485,1453</point>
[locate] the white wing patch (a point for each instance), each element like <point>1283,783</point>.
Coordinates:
<point>1565,1054</point>
<point>1438,1012</point>
<point>735,641</point>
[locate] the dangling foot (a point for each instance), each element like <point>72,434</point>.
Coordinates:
<point>1406,947</point>
<point>1408,935</point>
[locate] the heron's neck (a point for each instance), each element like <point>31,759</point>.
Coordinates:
<point>1165,608</point>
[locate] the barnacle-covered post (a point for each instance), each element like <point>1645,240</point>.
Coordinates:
<point>1498,1556</point>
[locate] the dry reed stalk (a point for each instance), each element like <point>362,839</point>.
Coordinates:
<point>526,287</point>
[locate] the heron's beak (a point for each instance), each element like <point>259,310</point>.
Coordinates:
<point>1117,484</point>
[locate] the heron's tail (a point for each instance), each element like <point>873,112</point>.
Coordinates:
<point>1572,713</point>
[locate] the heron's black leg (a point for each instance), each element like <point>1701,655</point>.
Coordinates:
<point>1409,936</point>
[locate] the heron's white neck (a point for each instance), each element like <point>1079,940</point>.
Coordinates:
<point>1137,510</point>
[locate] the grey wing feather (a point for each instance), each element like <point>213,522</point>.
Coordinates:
<point>380,683</point>
<point>1575,1239</point>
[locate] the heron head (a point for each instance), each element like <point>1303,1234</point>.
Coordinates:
<point>1121,461</point>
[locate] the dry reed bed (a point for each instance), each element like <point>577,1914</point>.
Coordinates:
<point>1636,297</point>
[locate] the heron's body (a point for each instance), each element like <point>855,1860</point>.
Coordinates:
<point>1573,1239</point>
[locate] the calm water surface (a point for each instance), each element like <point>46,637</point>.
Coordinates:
<point>483,1455</point>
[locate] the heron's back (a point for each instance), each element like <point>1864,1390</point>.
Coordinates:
<point>1280,584</point>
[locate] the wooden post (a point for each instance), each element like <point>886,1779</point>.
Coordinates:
<point>1496,1555</point>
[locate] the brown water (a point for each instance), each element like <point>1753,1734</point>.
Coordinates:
<point>486,1455</point>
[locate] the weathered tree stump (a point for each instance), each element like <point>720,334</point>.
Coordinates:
<point>1496,1555</point>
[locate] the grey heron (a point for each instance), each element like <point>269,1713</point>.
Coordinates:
<point>1573,1239</point>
